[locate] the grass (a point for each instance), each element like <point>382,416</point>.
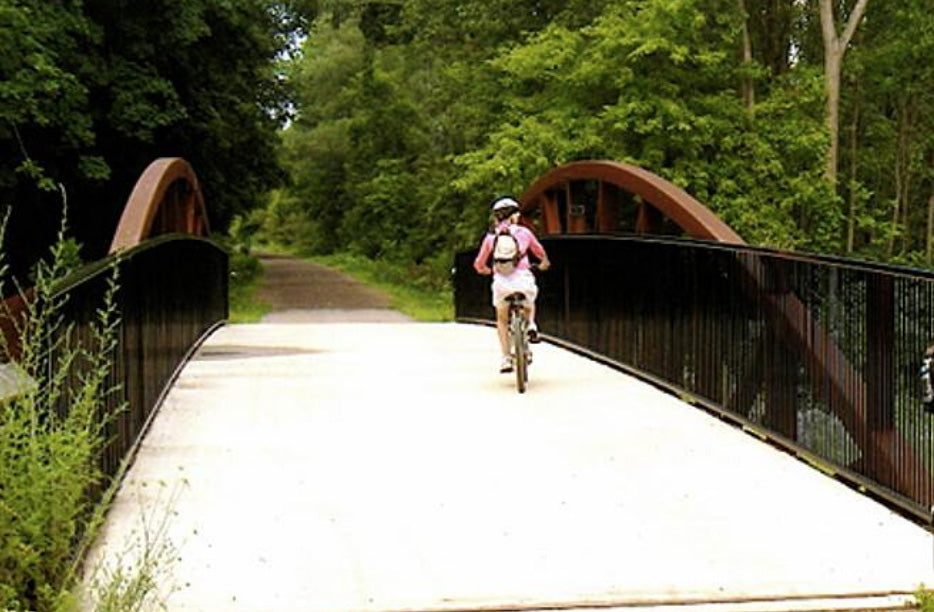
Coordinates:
<point>924,599</point>
<point>245,307</point>
<point>139,576</point>
<point>410,290</point>
<point>53,430</point>
<point>51,436</point>
<point>246,274</point>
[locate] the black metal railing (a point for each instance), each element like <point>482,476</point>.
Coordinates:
<point>819,354</point>
<point>172,291</point>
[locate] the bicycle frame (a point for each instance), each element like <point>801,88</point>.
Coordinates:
<point>519,339</point>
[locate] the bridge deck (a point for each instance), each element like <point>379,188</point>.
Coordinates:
<point>376,466</point>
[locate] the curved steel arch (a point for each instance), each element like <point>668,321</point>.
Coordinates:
<point>167,198</point>
<point>694,218</point>
<point>800,329</point>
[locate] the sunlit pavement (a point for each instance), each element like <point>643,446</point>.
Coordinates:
<point>388,466</point>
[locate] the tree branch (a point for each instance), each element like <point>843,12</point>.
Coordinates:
<point>852,22</point>
<point>828,24</point>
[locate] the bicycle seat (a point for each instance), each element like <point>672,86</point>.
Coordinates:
<point>515,297</point>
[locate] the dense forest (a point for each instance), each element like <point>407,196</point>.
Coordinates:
<point>92,91</point>
<point>384,127</point>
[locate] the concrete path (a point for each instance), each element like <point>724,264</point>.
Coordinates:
<point>388,467</point>
<point>301,291</point>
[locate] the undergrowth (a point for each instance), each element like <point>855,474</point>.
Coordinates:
<point>924,599</point>
<point>246,273</point>
<point>138,575</point>
<point>51,435</point>
<point>55,406</point>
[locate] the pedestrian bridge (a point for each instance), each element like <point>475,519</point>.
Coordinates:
<point>389,467</point>
<point>709,424</point>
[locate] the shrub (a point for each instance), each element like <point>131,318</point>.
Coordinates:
<point>51,436</point>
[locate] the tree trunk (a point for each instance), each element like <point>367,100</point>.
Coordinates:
<point>902,201</point>
<point>771,26</point>
<point>854,167</point>
<point>832,65</point>
<point>834,50</point>
<point>908,145</point>
<point>897,171</point>
<point>930,232</point>
<point>749,93</point>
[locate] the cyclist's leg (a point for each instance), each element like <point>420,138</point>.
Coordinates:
<point>531,293</point>
<point>499,293</point>
<point>502,327</point>
<point>530,317</point>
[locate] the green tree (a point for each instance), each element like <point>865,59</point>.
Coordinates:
<point>835,47</point>
<point>886,151</point>
<point>451,104</point>
<point>655,84</point>
<point>91,92</point>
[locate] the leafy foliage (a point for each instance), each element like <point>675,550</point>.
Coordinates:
<point>397,147</point>
<point>405,117</point>
<point>92,92</point>
<point>51,436</point>
<point>402,138</point>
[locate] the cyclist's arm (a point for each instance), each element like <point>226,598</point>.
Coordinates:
<point>479,264</point>
<point>539,251</point>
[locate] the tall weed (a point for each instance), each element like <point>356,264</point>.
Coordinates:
<point>51,435</point>
<point>138,576</point>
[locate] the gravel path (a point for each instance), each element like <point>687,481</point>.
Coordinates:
<point>305,292</point>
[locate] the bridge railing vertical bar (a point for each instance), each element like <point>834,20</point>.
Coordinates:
<point>820,354</point>
<point>171,292</point>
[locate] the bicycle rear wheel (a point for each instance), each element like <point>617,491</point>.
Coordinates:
<point>517,328</point>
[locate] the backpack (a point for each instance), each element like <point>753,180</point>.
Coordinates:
<point>506,253</point>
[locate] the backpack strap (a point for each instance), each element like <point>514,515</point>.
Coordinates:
<point>518,244</point>
<point>505,230</point>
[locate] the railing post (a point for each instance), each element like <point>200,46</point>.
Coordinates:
<point>880,393</point>
<point>880,333</point>
<point>804,347</point>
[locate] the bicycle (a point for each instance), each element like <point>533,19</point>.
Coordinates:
<point>518,330</point>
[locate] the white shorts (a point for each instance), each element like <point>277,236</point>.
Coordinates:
<point>522,281</point>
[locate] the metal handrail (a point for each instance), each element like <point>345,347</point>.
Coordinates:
<point>172,292</point>
<point>818,354</point>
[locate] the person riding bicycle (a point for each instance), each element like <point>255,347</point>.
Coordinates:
<point>511,279</point>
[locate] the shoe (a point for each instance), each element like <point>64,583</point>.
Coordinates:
<point>533,335</point>
<point>506,366</point>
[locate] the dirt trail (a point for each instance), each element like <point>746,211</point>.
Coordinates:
<point>302,291</point>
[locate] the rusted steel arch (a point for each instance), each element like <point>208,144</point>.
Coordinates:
<point>671,201</point>
<point>167,198</point>
<point>797,326</point>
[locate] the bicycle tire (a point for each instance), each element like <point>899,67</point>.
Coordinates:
<point>520,350</point>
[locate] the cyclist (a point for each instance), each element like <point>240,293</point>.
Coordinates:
<point>519,279</point>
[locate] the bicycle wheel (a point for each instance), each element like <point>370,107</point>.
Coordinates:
<point>519,349</point>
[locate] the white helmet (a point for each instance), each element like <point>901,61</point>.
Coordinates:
<point>505,206</point>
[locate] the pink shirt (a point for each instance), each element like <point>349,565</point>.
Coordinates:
<point>524,236</point>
